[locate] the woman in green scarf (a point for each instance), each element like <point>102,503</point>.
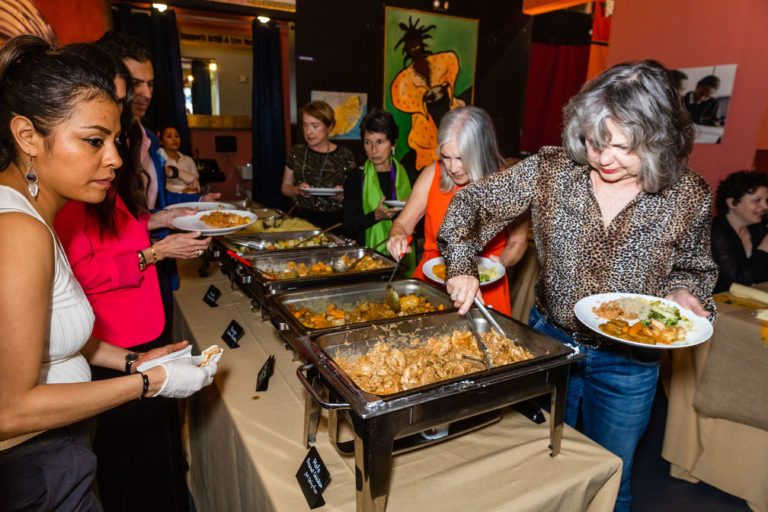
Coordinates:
<point>366,216</point>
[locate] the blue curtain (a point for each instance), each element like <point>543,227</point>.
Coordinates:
<point>201,88</point>
<point>267,117</point>
<point>160,33</point>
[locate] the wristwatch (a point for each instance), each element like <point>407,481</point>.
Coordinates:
<point>130,358</point>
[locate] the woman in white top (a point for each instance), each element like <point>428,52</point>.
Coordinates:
<point>57,143</point>
<point>181,175</point>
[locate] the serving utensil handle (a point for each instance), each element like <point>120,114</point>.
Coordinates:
<point>488,316</point>
<point>313,393</point>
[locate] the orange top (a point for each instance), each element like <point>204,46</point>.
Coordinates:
<point>496,294</point>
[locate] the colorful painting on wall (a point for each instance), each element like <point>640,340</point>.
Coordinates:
<point>429,69</point>
<point>349,108</point>
<point>23,17</point>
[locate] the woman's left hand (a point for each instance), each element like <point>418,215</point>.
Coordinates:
<point>463,290</point>
<point>158,352</point>
<point>688,300</point>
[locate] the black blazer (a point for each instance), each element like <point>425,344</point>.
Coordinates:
<point>729,255</point>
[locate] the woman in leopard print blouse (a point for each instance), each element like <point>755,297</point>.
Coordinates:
<point>614,210</point>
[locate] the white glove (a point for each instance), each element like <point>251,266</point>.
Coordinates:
<point>184,376</point>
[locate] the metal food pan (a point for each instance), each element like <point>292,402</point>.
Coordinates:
<point>260,241</point>
<point>347,297</point>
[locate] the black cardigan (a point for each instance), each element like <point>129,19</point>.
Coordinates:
<point>728,252</point>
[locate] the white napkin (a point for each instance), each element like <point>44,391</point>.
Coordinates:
<point>185,352</point>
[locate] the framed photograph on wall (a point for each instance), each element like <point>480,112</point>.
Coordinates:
<point>429,69</point>
<point>706,92</point>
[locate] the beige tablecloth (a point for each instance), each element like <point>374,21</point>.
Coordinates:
<point>246,451</point>
<point>729,455</point>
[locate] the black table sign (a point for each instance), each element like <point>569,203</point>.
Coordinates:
<point>233,333</point>
<point>262,382</point>
<point>313,478</point>
<point>211,296</point>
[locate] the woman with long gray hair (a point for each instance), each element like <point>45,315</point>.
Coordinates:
<point>466,145</point>
<point>614,210</point>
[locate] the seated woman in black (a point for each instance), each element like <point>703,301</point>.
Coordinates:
<point>739,231</point>
<point>382,178</point>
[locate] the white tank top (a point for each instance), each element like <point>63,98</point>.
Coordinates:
<point>71,316</point>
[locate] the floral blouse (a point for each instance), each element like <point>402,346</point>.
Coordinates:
<point>657,243</point>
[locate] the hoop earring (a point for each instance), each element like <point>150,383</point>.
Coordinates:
<point>31,178</point>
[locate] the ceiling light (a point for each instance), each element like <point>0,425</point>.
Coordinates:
<point>212,66</point>
<point>160,7</point>
<point>263,19</point>
<point>190,78</point>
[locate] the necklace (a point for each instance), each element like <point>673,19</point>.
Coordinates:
<point>322,167</point>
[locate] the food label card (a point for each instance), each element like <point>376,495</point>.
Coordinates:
<point>211,296</point>
<point>313,478</point>
<point>233,333</point>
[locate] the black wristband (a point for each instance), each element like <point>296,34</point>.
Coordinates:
<point>145,387</point>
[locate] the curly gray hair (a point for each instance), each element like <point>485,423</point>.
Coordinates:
<point>642,100</point>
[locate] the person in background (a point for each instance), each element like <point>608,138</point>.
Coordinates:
<point>318,163</point>
<point>466,144</point>
<point>114,261</point>
<point>614,210</point>
<point>57,143</point>
<point>739,231</point>
<point>700,102</point>
<point>382,178</point>
<point>182,181</point>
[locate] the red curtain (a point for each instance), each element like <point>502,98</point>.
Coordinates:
<point>555,73</point>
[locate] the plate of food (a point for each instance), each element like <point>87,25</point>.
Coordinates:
<point>202,206</point>
<point>395,204</point>
<point>488,271</point>
<point>642,320</point>
<point>323,191</point>
<point>216,222</point>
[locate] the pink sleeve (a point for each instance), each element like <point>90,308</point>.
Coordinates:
<point>97,268</point>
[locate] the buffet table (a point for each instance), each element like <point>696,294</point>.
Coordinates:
<point>717,400</point>
<point>246,447</point>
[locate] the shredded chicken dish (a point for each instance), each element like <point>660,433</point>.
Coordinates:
<point>384,370</point>
<point>219,219</point>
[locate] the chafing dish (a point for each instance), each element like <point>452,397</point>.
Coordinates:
<point>269,241</point>
<point>345,297</point>
<point>384,425</point>
<point>247,271</point>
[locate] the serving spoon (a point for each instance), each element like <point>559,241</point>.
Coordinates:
<point>339,266</point>
<point>308,238</point>
<point>391,295</point>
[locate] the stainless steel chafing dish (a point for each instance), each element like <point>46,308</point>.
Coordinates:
<point>263,241</point>
<point>247,271</point>
<point>384,425</point>
<point>345,297</point>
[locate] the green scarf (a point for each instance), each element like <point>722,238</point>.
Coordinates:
<point>372,194</point>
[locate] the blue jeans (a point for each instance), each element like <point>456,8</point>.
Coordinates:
<point>613,389</point>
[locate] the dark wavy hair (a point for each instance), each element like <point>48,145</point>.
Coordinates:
<point>43,84</point>
<point>378,120</point>
<point>124,46</point>
<point>641,98</point>
<point>129,183</point>
<point>736,185</point>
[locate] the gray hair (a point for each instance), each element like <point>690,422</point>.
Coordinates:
<point>642,100</point>
<point>472,130</point>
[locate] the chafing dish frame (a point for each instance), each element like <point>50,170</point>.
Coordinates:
<point>344,296</point>
<point>378,421</point>
<point>259,288</point>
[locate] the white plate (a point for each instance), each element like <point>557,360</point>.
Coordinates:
<point>701,331</point>
<point>324,191</point>
<point>202,206</point>
<point>193,223</point>
<point>395,204</point>
<point>485,262</point>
